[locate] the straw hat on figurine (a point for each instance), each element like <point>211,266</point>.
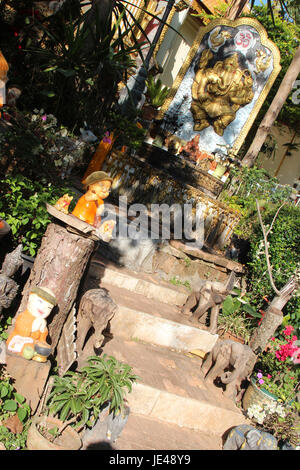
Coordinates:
<point>96,177</point>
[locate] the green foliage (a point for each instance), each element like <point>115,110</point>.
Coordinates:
<point>126,131</point>
<point>286,35</point>
<point>80,396</point>
<point>36,146</point>
<point>177,282</point>
<point>12,403</point>
<point>70,63</point>
<point>284,242</point>
<point>156,92</point>
<point>251,184</point>
<point>23,207</point>
<point>237,316</point>
<point>5,323</point>
<point>277,370</point>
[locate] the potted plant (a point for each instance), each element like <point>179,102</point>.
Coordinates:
<point>79,398</point>
<point>280,421</point>
<point>235,319</point>
<point>155,97</point>
<point>276,375</point>
<point>49,433</point>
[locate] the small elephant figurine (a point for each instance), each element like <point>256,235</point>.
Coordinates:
<point>232,362</point>
<point>210,297</point>
<point>247,437</point>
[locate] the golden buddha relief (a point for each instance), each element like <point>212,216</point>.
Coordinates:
<point>224,81</point>
<point>219,91</point>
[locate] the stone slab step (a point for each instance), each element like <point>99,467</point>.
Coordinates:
<point>140,283</point>
<point>172,388</point>
<point>145,433</point>
<point>155,322</point>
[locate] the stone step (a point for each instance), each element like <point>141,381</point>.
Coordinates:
<point>145,433</point>
<point>144,284</point>
<point>155,322</point>
<point>172,388</point>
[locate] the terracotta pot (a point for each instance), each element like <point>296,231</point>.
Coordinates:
<point>256,396</point>
<point>68,440</point>
<point>228,335</point>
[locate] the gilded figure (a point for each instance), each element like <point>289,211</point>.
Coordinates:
<point>219,91</point>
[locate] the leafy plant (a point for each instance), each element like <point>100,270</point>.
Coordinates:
<point>156,92</point>
<point>282,422</point>
<point>79,397</point>
<point>36,146</point>
<point>277,369</point>
<point>251,184</point>
<point>23,207</point>
<point>110,378</point>
<point>177,282</point>
<point>284,254</point>
<point>236,316</point>
<point>11,404</point>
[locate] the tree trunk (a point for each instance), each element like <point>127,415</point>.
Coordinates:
<point>272,318</point>
<point>272,113</point>
<point>60,264</point>
<point>99,14</point>
<point>235,9</point>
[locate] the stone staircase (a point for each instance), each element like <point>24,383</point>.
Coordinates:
<point>166,351</point>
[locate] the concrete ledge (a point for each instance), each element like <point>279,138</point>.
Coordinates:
<point>129,324</point>
<point>186,412</point>
<point>148,289</point>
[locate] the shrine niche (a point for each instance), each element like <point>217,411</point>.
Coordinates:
<point>222,84</point>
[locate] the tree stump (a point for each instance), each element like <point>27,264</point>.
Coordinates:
<point>60,264</point>
<point>269,324</point>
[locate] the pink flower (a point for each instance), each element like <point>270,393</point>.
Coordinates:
<point>44,118</point>
<point>259,375</point>
<point>106,138</point>
<point>261,381</point>
<point>269,376</point>
<point>288,330</point>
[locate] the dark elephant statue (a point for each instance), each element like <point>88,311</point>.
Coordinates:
<point>247,437</point>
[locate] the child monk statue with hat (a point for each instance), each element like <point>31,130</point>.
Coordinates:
<point>90,206</point>
<point>30,332</point>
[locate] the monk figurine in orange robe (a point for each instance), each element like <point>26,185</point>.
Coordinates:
<point>90,206</point>
<point>30,332</point>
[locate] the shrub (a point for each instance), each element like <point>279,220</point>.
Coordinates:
<point>23,207</point>
<point>284,241</point>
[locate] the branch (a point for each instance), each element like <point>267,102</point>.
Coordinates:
<point>265,235</point>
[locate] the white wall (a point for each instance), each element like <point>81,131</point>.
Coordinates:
<point>174,49</point>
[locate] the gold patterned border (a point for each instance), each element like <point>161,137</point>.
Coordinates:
<point>193,50</point>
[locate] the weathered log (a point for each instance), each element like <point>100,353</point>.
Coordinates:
<point>272,319</point>
<point>60,265</point>
<point>8,291</point>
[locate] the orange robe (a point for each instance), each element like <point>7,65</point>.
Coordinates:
<point>22,334</point>
<point>86,210</point>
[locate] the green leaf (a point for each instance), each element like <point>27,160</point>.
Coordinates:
<point>20,399</point>
<point>22,414</point>
<point>10,405</point>
<point>252,311</point>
